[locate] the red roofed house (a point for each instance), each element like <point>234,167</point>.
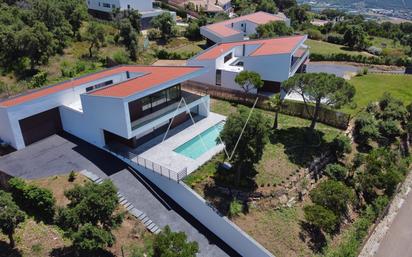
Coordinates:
<point>238,28</point>
<point>275,59</point>
<point>127,104</point>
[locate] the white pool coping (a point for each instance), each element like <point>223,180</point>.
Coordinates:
<point>164,154</point>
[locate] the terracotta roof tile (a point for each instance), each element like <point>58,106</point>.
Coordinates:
<point>155,76</point>
<point>271,46</point>
<point>224,28</point>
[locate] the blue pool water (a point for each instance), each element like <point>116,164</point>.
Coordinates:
<point>200,144</point>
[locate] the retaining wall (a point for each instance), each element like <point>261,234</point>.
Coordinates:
<point>199,209</point>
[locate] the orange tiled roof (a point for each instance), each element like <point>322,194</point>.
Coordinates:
<point>154,75</point>
<point>271,46</point>
<point>224,28</point>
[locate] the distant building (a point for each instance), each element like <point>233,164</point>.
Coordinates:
<point>275,59</point>
<point>208,6</point>
<point>106,7</point>
<point>238,28</point>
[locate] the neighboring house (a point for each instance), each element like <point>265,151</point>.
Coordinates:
<point>106,7</point>
<point>275,59</point>
<point>208,6</point>
<point>125,104</point>
<point>239,28</point>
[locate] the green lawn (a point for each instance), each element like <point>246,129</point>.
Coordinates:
<point>389,47</point>
<point>321,47</point>
<point>372,86</point>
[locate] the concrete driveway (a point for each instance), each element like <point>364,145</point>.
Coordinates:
<point>398,240</point>
<point>60,154</point>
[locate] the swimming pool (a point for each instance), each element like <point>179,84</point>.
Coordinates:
<point>201,143</point>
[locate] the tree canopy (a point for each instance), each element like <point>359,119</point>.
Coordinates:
<point>10,216</point>
<point>273,29</point>
<point>248,147</point>
<point>355,37</point>
<point>248,80</point>
<point>320,89</point>
<point>173,244</point>
<point>165,23</point>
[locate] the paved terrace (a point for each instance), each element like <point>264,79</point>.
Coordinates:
<point>162,152</point>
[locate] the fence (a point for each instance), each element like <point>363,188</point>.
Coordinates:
<point>155,167</point>
<point>330,117</point>
<point>166,172</point>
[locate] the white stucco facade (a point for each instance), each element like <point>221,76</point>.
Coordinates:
<point>230,61</point>
<point>87,116</point>
<point>239,28</point>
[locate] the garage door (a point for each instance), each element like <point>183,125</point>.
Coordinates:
<point>39,126</point>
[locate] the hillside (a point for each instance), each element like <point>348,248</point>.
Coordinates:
<point>373,3</point>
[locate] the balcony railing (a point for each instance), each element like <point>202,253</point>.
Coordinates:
<point>188,97</point>
<point>131,158</point>
<point>298,59</point>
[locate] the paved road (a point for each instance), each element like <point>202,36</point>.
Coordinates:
<point>61,154</point>
<point>398,240</point>
<point>341,69</point>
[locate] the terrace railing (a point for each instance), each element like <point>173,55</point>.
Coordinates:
<point>162,170</point>
<point>155,167</point>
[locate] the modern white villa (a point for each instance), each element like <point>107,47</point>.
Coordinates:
<point>239,28</point>
<point>145,8</point>
<point>275,59</point>
<point>125,104</point>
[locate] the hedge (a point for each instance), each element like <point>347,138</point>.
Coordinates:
<point>342,57</point>
<point>293,108</point>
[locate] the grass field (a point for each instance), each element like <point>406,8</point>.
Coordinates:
<point>372,86</point>
<point>321,47</point>
<point>389,47</point>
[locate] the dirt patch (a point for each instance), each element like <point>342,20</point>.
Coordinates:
<point>59,184</point>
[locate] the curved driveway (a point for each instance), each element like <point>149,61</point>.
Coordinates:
<point>61,154</point>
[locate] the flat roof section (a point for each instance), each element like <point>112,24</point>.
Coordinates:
<point>153,76</point>
<point>271,46</point>
<point>224,28</point>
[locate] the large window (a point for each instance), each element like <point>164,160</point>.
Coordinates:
<point>154,102</point>
<point>227,57</point>
<point>218,77</point>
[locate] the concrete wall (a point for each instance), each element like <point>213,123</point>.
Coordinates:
<point>270,67</point>
<point>6,131</point>
<point>198,208</point>
<point>109,113</point>
<point>75,123</point>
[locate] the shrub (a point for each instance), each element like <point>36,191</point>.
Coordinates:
<point>314,34</point>
<point>38,80</point>
<point>336,172</point>
<point>341,145</point>
<point>89,239</point>
<point>321,217</point>
<point>335,39</point>
<point>121,57</point>
<point>154,34</point>
<point>374,50</point>
<point>40,202</point>
<point>72,176</point>
<point>174,244</point>
<point>333,195</point>
<point>235,208</point>
<point>366,127</point>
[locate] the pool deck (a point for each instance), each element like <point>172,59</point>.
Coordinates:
<point>163,152</point>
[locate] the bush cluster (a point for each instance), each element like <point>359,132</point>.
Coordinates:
<point>166,55</point>
<point>35,200</point>
<point>382,60</point>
